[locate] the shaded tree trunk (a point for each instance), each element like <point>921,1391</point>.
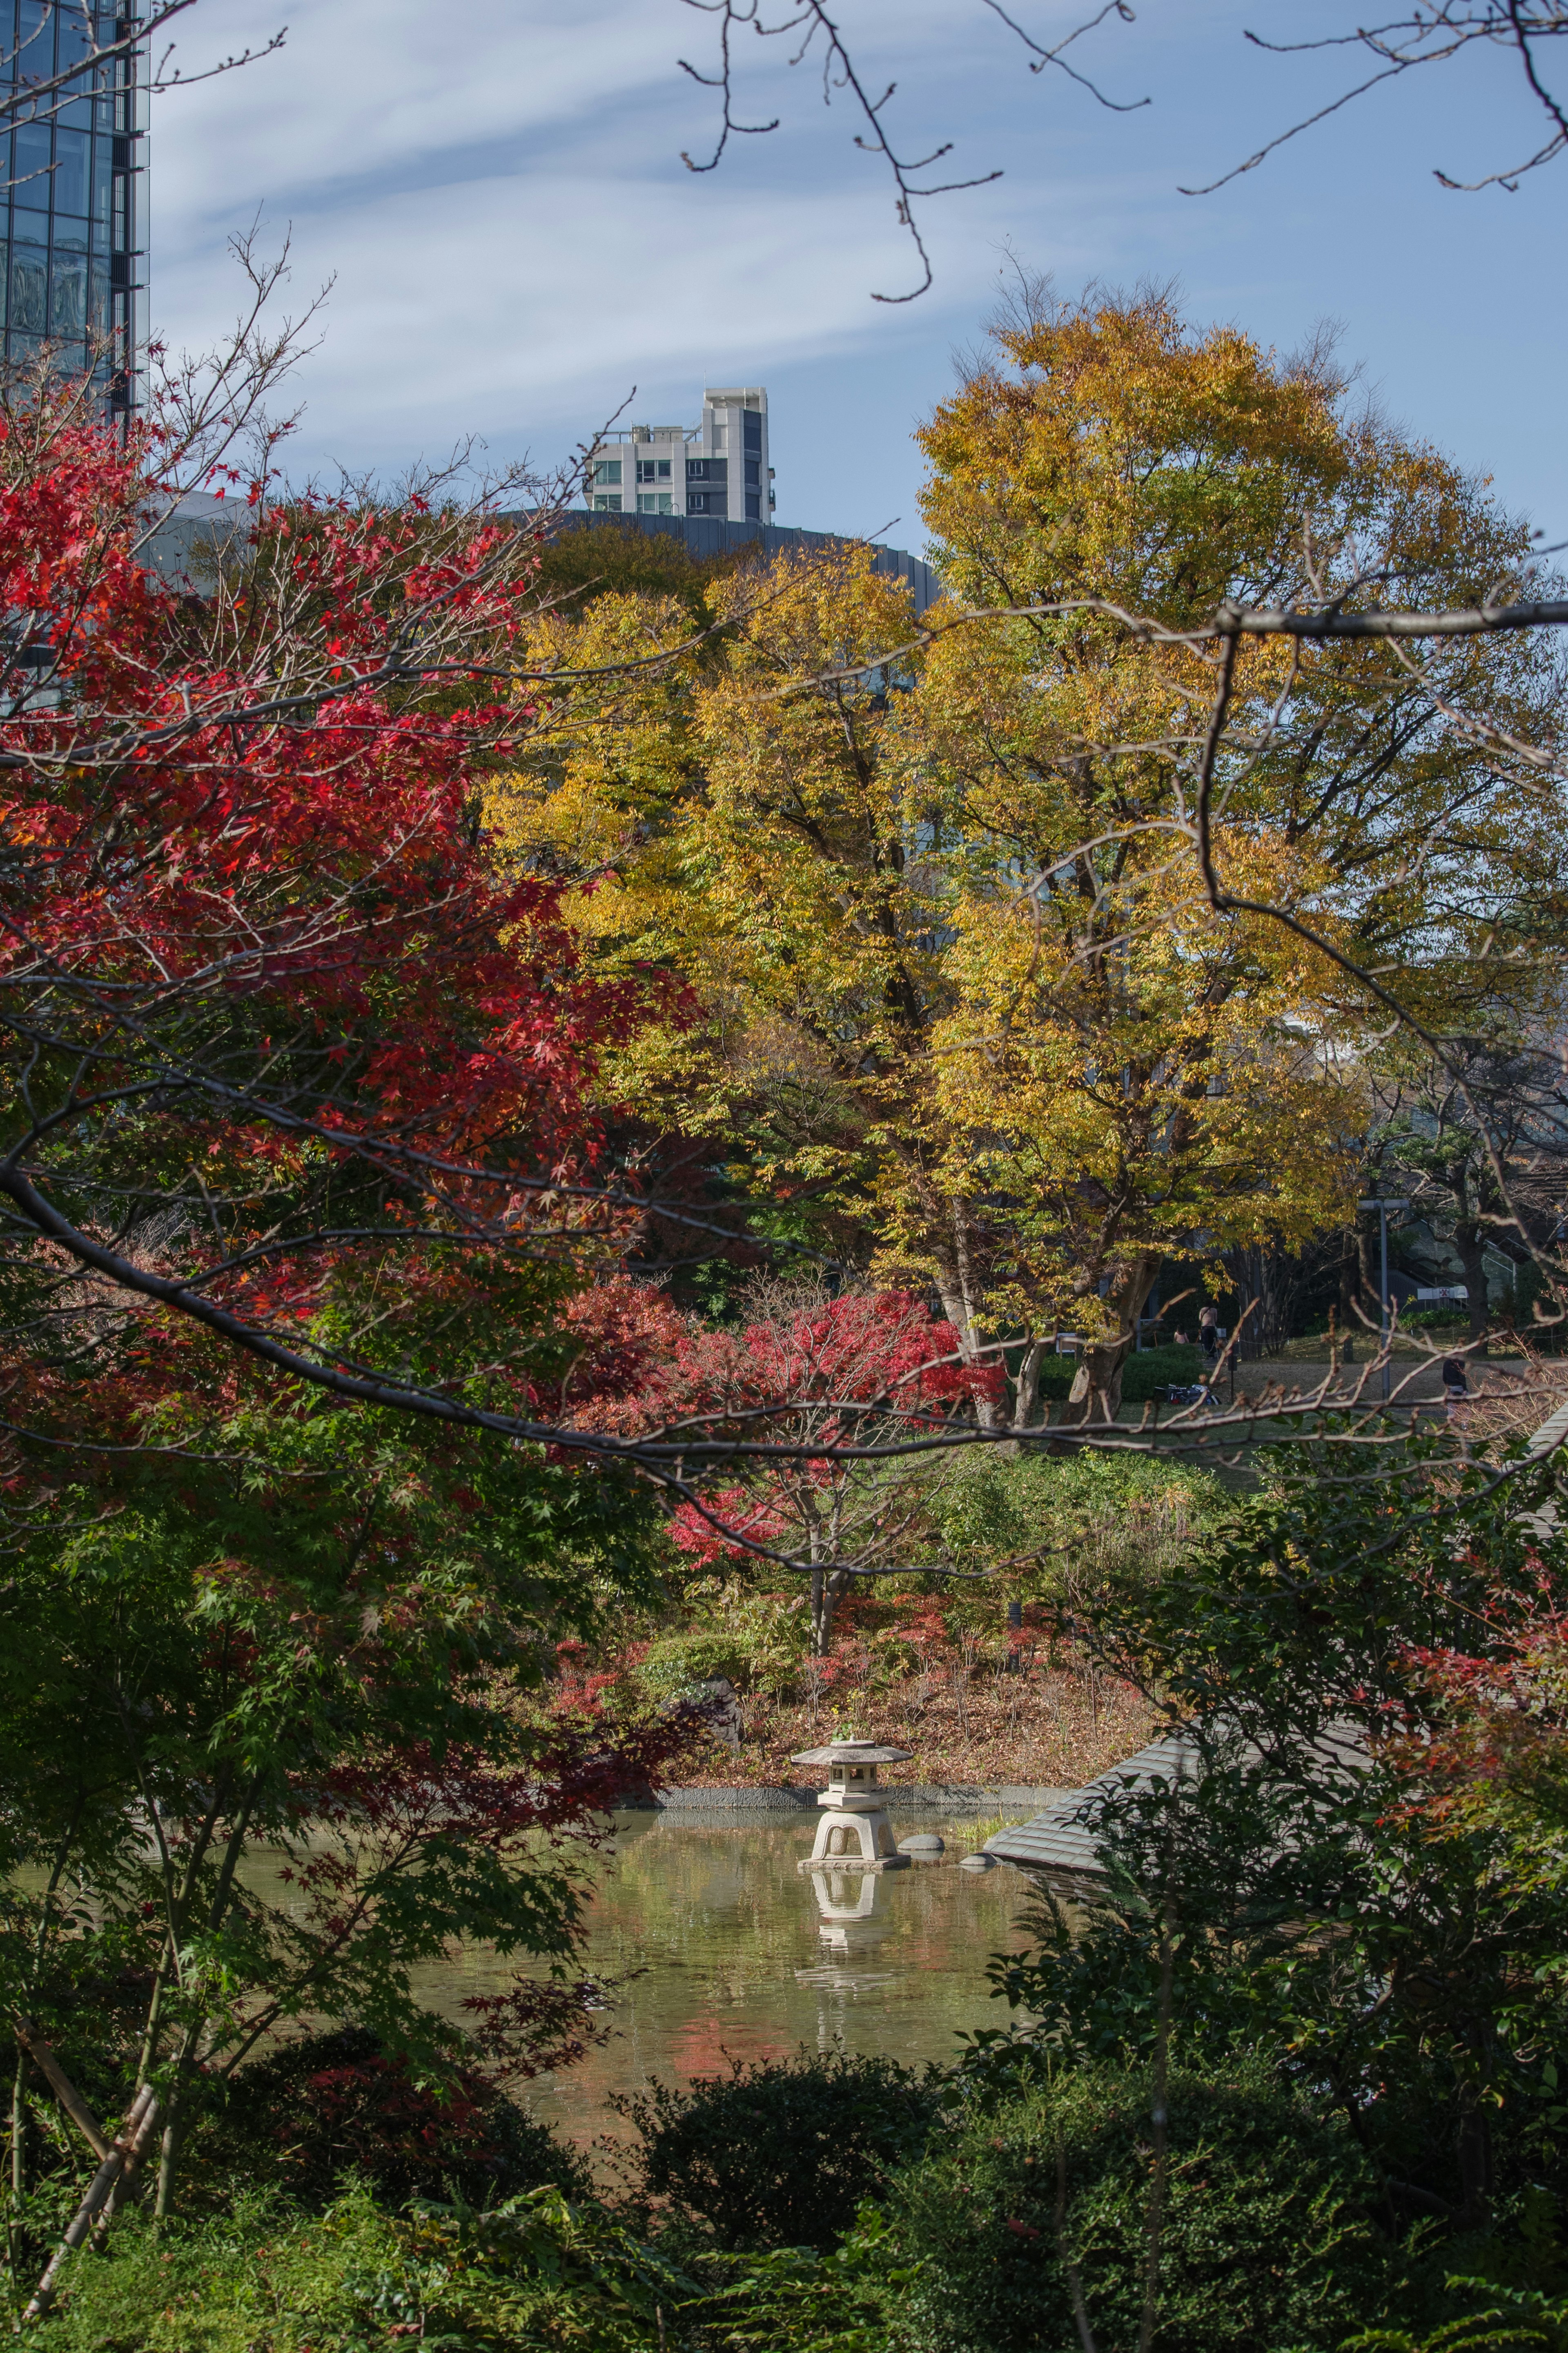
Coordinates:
<point>1470,1247</point>
<point>1095,1393</point>
<point>828,1587</point>
<point>1026,1388</point>
<point>1268,1284</point>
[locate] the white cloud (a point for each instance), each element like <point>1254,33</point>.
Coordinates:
<point>480,304</point>
<point>496,186</point>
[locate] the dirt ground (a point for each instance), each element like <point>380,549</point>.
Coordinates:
<point>1046,1727</point>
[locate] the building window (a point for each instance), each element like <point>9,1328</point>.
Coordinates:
<point>608,470</point>
<point>653,470</point>
<point>752,431</point>
<point>29,287</point>
<point>656,503</point>
<point>753,474</point>
<point>707,469</point>
<point>73,151</point>
<point>753,506</point>
<point>69,314</point>
<point>606,502</point>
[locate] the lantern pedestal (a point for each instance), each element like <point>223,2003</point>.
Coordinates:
<point>854,1833</point>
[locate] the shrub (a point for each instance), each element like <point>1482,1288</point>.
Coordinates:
<point>540,2273</point>
<point>1097,1519</point>
<point>336,2104</point>
<point>1145,1374</point>
<point>1153,1370</point>
<point>780,2153</point>
<point>676,1661</point>
<point>1269,2238</point>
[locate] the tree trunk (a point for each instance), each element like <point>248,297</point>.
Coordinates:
<point>828,1586</point>
<point>19,2126</point>
<point>1471,1249</point>
<point>1267,1282</point>
<point>1475,2165</point>
<point>127,2147</point>
<point>952,1263</point>
<point>1026,1390</point>
<point>1095,1393</point>
<point>1366,1293</point>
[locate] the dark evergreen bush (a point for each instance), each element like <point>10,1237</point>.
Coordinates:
<point>780,2153</point>
<point>1271,2235</point>
<point>332,2104</point>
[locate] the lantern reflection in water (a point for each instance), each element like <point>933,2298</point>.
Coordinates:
<point>849,1927</point>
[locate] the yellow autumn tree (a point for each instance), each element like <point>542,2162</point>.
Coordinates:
<point>951,901</point>
<point>1128,1076</point>
<point>759,841</point>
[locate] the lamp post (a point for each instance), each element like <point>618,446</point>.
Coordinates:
<point>1382,1208</point>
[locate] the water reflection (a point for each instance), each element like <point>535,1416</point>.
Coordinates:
<point>738,1955</point>
<point>848,1923</point>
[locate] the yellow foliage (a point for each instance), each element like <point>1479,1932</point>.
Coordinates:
<point>943,916</point>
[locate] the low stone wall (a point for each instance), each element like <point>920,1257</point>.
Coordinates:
<point>800,1798</point>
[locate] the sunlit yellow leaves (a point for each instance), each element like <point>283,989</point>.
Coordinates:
<point>944,917</point>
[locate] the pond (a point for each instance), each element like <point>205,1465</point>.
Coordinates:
<point>742,1956</point>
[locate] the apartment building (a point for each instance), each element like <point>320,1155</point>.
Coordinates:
<point>718,468</point>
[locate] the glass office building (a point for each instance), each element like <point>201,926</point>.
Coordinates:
<point>74,275</point>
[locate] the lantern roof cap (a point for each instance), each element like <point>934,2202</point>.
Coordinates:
<point>852,1752</point>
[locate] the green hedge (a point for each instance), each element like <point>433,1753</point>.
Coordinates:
<point>1145,1374</point>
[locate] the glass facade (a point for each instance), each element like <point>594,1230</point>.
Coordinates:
<point>73,270</point>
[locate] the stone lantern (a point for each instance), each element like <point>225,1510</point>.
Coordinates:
<point>854,1833</point>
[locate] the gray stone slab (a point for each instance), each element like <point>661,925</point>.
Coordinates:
<point>795,1798</point>
<point>741,1798</point>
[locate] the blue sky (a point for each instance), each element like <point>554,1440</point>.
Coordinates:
<point>496,187</point>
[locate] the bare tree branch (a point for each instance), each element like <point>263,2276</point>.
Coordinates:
<point>1429,37</point>
<point>823,36</point>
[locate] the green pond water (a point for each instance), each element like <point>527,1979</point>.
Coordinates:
<point>742,1956</point>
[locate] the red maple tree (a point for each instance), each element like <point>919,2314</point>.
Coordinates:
<point>811,1378</point>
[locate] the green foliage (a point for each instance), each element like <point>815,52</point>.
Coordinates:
<point>780,2153</point>
<point>796,2300</point>
<point>267,1718</point>
<point>537,2273</point>
<point>1510,2319</point>
<point>1350,1885</point>
<point>1091,1519</point>
<point>1149,1372</point>
<point>676,1661</point>
<point>1270,2232</point>
<point>610,556</point>
<point>1146,1375</point>
<point>760,1650</point>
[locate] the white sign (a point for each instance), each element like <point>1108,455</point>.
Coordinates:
<point>1453,1291</point>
